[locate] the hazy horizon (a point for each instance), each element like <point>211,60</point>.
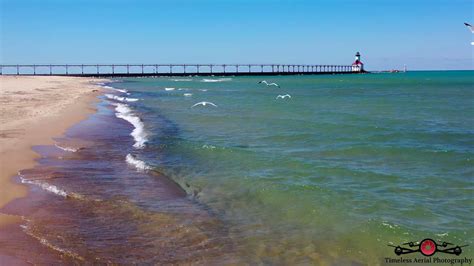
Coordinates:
<point>426,35</point>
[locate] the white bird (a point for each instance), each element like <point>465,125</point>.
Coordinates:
<point>283,96</point>
<point>203,104</point>
<point>269,84</point>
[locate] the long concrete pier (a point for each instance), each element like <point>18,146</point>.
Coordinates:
<point>138,70</point>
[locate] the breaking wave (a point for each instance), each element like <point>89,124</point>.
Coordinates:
<point>112,88</point>
<point>121,99</point>
<point>139,134</point>
<point>139,164</point>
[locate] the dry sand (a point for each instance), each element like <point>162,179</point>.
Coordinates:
<point>33,111</point>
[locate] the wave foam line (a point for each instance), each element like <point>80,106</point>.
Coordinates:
<point>112,88</point>
<point>139,134</point>
<point>139,164</point>
<point>46,243</point>
<point>216,80</point>
<point>65,148</point>
<point>50,188</point>
<point>121,99</point>
<point>45,186</point>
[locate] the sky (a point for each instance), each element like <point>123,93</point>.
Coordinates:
<point>423,34</point>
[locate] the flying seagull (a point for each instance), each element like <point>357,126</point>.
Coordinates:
<point>283,96</point>
<point>203,104</point>
<point>269,84</point>
<point>471,28</point>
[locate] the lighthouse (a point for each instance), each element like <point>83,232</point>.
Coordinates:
<point>357,66</point>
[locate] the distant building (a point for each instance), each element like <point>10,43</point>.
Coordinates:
<point>357,66</point>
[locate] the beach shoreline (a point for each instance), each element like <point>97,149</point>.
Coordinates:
<point>34,111</point>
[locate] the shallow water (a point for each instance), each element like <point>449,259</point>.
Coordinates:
<point>347,165</point>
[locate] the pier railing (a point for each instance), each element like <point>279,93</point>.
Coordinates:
<point>109,70</point>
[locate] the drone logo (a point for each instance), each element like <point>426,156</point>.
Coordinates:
<point>428,247</point>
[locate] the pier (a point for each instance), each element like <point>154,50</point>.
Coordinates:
<point>141,70</point>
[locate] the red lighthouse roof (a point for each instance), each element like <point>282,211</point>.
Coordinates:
<point>357,62</point>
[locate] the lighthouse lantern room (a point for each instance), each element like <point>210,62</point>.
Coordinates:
<point>357,66</point>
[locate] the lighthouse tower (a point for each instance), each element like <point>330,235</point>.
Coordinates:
<point>357,66</point>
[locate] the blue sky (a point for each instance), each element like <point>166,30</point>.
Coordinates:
<point>424,34</point>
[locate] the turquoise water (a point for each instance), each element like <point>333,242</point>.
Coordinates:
<point>347,165</point>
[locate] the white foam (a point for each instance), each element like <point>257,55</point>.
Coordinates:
<point>66,148</point>
<point>122,91</point>
<point>121,99</point>
<point>45,186</point>
<point>139,134</point>
<point>169,89</point>
<point>182,80</point>
<point>139,164</point>
<point>188,94</point>
<point>209,147</point>
<point>384,223</point>
<point>112,88</point>
<point>216,80</point>
<point>203,89</point>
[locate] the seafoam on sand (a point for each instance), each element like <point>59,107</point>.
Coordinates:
<point>45,186</point>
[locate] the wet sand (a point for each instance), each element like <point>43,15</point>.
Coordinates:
<point>86,204</point>
<point>34,110</point>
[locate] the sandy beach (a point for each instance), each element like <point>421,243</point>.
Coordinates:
<point>34,110</point>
